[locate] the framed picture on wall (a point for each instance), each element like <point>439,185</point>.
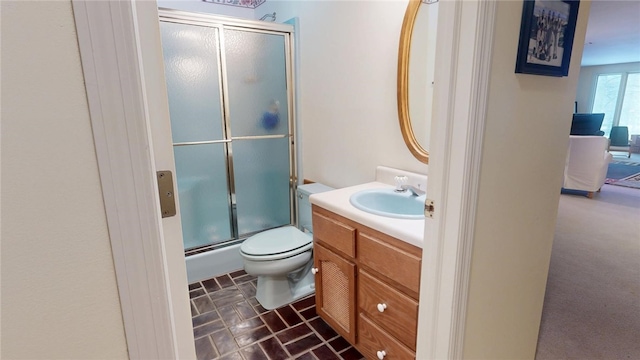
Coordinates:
<point>546,37</point>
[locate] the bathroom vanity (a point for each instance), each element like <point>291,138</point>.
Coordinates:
<point>367,274</point>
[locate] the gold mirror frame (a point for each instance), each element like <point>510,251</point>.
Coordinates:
<point>403,83</point>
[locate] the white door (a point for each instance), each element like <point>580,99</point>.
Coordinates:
<point>152,67</point>
<point>122,63</point>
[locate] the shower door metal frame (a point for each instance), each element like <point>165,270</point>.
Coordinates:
<point>221,23</point>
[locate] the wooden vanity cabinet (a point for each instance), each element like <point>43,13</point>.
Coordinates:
<point>367,285</point>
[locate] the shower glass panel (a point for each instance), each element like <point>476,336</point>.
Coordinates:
<point>258,108</point>
<point>261,169</point>
<point>257,83</point>
<point>191,58</point>
<point>203,194</point>
<point>193,81</point>
<point>229,103</point>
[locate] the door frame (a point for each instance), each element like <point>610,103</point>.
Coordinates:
<point>121,58</point>
<point>463,61</point>
<point>119,43</point>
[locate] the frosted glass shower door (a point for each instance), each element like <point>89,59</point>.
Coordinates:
<point>259,120</point>
<point>191,57</point>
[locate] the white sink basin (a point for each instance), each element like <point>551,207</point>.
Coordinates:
<point>387,202</point>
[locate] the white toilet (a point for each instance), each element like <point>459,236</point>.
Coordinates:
<point>282,258</point>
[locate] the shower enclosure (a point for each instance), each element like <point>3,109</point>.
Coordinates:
<point>229,84</point>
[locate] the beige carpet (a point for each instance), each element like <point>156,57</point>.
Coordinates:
<point>592,301</point>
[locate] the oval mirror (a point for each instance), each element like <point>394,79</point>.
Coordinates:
<point>416,58</point>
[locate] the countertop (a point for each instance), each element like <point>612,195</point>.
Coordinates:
<point>337,201</point>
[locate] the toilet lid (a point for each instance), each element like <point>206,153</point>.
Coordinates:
<point>275,241</point>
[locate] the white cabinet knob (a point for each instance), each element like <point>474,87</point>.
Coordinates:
<point>314,271</point>
<point>382,307</point>
<point>381,354</point>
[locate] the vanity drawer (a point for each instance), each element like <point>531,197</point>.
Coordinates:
<point>333,232</point>
<point>399,318</point>
<point>399,265</point>
<point>372,339</point>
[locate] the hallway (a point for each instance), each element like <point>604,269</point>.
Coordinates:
<point>592,300</point>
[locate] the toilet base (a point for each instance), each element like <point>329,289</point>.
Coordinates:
<point>276,291</point>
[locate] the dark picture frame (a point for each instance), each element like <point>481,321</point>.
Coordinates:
<point>546,37</point>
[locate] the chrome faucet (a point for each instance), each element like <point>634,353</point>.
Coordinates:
<point>401,186</point>
<point>414,190</point>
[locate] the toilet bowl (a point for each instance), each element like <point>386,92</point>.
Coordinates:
<point>282,258</point>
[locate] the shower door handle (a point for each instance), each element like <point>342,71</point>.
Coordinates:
<point>166,193</point>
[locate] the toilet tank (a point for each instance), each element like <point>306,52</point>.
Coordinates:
<point>304,206</point>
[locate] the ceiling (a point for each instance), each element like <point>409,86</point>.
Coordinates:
<point>613,33</point>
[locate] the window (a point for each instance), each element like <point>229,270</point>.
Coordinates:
<point>630,113</point>
<point>606,99</point>
<point>618,97</point>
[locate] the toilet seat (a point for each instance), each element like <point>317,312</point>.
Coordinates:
<point>276,244</point>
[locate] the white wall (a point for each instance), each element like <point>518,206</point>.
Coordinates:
<point>525,144</point>
<point>208,7</point>
<point>59,295</point>
<point>347,85</point>
<point>588,77</point>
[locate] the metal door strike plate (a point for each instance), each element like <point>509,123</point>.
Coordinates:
<point>165,192</point>
<point>429,208</point>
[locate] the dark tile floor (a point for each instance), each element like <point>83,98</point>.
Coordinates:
<point>229,323</point>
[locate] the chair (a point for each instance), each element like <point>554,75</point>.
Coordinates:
<point>619,139</point>
<point>587,163</point>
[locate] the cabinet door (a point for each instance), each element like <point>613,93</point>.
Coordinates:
<point>336,291</point>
